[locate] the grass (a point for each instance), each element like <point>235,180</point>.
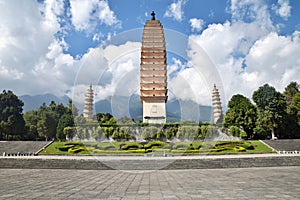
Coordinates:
<point>123,148</point>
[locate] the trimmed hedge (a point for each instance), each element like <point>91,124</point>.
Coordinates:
<point>76,149</point>
<point>65,148</point>
<point>136,151</point>
<point>183,146</point>
<point>157,144</point>
<point>248,146</point>
<point>239,149</point>
<point>131,146</point>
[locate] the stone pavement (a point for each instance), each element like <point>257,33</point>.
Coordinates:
<point>231,183</point>
<point>22,147</point>
<point>284,145</point>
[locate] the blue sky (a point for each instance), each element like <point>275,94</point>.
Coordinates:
<point>63,46</point>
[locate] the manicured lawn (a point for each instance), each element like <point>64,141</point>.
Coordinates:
<point>156,147</point>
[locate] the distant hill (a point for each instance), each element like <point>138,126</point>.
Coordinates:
<point>177,110</point>
<point>119,106</point>
<point>34,102</point>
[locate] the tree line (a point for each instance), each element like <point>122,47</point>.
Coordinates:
<point>271,114</point>
<point>45,123</point>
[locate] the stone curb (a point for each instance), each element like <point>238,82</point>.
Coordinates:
<point>95,163</point>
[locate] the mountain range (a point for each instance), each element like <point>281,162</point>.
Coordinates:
<point>119,106</point>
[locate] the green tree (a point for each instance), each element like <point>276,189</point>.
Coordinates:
<point>171,132</point>
<point>31,119</point>
<point>97,134</point>
<point>48,119</point>
<point>290,91</point>
<point>125,120</point>
<point>291,127</point>
<point>271,109</point>
<point>187,132</point>
<point>69,132</point>
<point>203,131</point>
<point>234,130</point>
<point>294,108</point>
<point>108,131</point>
<point>106,118</point>
<point>11,117</point>
<point>241,113</point>
<point>66,120</point>
<point>126,133</point>
<point>80,119</point>
<point>150,133</point>
<point>116,135</point>
<point>72,108</point>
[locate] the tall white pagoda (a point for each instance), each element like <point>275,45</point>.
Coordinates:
<point>88,104</point>
<point>217,107</point>
<point>153,72</point>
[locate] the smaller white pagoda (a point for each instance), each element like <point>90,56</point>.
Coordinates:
<point>217,106</point>
<point>88,104</point>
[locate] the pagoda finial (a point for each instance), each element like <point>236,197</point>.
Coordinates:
<point>153,15</point>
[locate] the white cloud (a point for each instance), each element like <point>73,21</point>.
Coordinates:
<point>275,61</point>
<point>87,14</point>
<point>175,10</point>
<point>253,44</point>
<point>121,62</point>
<point>283,9</point>
<point>7,73</point>
<point>251,11</point>
<point>196,24</point>
<point>30,46</point>
<point>33,59</point>
<point>187,83</point>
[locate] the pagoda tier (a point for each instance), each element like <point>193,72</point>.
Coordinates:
<point>88,104</point>
<point>217,106</point>
<point>153,72</point>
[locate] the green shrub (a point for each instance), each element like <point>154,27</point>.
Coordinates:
<point>156,144</point>
<point>234,130</point>
<point>232,143</point>
<point>65,147</point>
<point>136,151</point>
<point>243,134</point>
<point>183,146</point>
<point>110,147</point>
<point>218,149</point>
<point>239,149</point>
<point>248,146</point>
<point>206,145</point>
<point>197,145</point>
<point>132,146</point>
<point>171,132</point>
<point>150,133</point>
<point>76,149</point>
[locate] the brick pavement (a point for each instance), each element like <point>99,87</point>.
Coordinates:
<point>231,183</point>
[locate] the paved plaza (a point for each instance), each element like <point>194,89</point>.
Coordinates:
<point>230,183</point>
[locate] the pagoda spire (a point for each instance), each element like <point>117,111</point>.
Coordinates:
<point>153,15</point>
<point>217,106</point>
<point>88,104</point>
